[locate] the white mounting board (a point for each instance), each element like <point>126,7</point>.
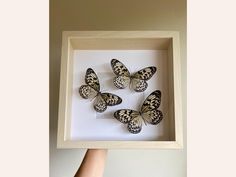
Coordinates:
<point>87,125</point>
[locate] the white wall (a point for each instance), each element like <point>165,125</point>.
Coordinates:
<point>115,15</point>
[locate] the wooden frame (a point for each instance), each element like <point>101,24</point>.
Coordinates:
<point>72,40</point>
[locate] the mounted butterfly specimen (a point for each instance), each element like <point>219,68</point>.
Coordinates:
<point>148,113</point>
<point>137,80</point>
<point>92,90</point>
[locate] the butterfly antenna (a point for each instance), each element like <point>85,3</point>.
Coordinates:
<point>104,91</point>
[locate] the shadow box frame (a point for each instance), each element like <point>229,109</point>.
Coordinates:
<point>100,40</point>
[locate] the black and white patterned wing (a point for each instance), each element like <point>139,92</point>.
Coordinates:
<point>139,85</point>
<point>145,74</point>
<point>119,68</point>
<point>126,115</point>
<point>111,99</point>
<point>87,92</point>
<point>99,104</point>
<point>153,117</point>
<point>153,101</point>
<point>91,79</point>
<point>135,125</point>
<point>121,81</point>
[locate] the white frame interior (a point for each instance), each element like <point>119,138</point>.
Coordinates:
<point>113,40</point>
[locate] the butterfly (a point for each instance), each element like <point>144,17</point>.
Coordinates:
<point>92,90</point>
<point>137,80</point>
<point>148,113</point>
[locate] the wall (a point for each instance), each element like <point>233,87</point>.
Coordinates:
<point>115,15</point>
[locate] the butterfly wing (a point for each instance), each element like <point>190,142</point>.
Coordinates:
<point>139,85</point>
<point>135,125</point>
<point>153,101</point>
<point>99,104</point>
<point>91,79</point>
<point>119,68</point>
<point>122,81</point>
<point>139,78</point>
<point>125,115</point>
<point>111,99</point>
<point>153,117</point>
<point>130,117</point>
<point>145,74</point>
<point>87,92</point>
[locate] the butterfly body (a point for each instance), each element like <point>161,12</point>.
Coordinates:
<point>149,113</point>
<point>137,80</point>
<point>92,91</point>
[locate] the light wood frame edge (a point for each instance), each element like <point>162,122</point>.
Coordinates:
<point>62,112</point>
